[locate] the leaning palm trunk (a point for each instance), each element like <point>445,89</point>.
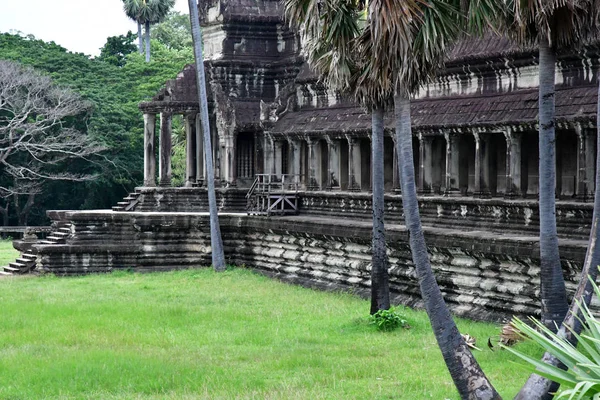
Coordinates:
<point>218,257</point>
<point>140,39</point>
<point>553,292</point>
<point>466,373</point>
<point>536,386</point>
<point>147,41</point>
<point>380,293</point>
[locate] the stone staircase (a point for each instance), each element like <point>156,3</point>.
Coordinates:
<point>27,262</point>
<point>128,203</point>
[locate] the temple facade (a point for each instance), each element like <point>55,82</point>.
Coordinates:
<point>475,146</point>
<point>474,127</point>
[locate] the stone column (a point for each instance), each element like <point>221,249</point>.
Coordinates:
<point>165,149</point>
<point>425,164</point>
<point>294,156</point>
<point>585,163</point>
<point>200,176</point>
<point>333,166</point>
<point>482,165</point>
<point>452,164</point>
<point>190,150</point>
<point>230,173</point>
<point>277,156</point>
<point>396,187</point>
<point>269,159</point>
<point>312,183</point>
<point>353,164</point>
<point>513,163</point>
<point>149,151</point>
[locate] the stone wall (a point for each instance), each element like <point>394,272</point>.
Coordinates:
<point>483,275</point>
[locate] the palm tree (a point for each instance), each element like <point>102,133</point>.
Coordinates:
<point>328,46</point>
<point>553,25</point>
<point>147,12</point>
<point>132,10</point>
<point>216,241</point>
<point>399,49</point>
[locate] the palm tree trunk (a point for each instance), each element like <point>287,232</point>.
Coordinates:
<point>147,41</point>
<point>468,377</point>
<point>553,292</point>
<point>380,291</point>
<point>216,242</point>
<point>536,386</point>
<point>140,39</point>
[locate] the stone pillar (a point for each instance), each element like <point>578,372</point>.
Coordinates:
<point>513,163</point>
<point>585,163</point>
<point>353,164</point>
<point>312,183</point>
<point>425,164</point>
<point>165,149</point>
<point>149,151</point>
<point>396,187</point>
<point>295,159</point>
<point>200,176</point>
<point>452,165</point>
<point>269,159</point>
<point>482,165</point>
<point>190,150</point>
<point>333,166</point>
<point>230,173</point>
<point>277,156</point>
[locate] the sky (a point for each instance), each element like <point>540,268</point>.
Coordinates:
<point>80,26</point>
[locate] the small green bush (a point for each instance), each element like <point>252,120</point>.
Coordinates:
<point>388,320</point>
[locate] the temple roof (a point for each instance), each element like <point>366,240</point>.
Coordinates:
<point>513,108</point>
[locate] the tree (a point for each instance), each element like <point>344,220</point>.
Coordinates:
<point>554,25</point>
<point>174,31</point>
<point>147,12</point>
<point>399,49</point>
<point>38,135</point>
<point>328,46</point>
<point>216,241</point>
<point>132,10</point>
<point>117,48</point>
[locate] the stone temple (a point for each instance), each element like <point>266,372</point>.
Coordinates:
<point>476,158</point>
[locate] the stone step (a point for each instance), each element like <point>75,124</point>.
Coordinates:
<point>14,267</point>
<point>53,238</point>
<point>65,229</point>
<point>5,273</point>
<point>61,234</point>
<point>117,208</point>
<point>29,256</point>
<point>47,242</point>
<point>25,261</point>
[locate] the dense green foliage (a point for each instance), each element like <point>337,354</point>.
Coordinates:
<point>198,334</point>
<point>116,121</point>
<point>174,31</point>
<point>116,49</point>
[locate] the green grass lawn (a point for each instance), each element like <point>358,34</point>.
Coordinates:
<point>197,334</point>
<point>7,252</point>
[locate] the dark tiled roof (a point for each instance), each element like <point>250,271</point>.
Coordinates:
<point>519,107</point>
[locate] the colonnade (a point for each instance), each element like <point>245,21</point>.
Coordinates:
<point>467,162</point>
<point>195,173</point>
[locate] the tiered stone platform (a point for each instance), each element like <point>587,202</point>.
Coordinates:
<point>484,252</point>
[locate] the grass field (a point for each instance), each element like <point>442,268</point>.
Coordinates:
<point>7,252</point>
<point>197,334</point>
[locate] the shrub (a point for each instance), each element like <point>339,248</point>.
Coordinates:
<point>388,320</point>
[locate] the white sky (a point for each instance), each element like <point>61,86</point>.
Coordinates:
<point>80,26</point>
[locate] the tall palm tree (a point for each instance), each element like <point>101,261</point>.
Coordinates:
<point>399,49</point>
<point>216,241</point>
<point>147,12</point>
<point>132,10</point>
<point>553,25</point>
<point>329,36</point>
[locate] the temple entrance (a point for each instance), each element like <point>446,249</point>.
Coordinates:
<point>466,164</point>
<point>245,158</point>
